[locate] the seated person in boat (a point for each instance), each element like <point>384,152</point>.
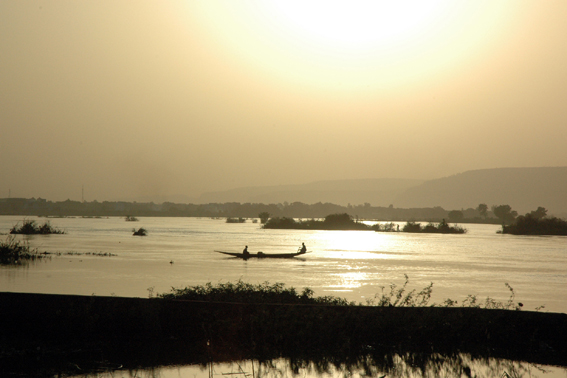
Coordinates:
<point>303,248</point>
<point>245,251</point>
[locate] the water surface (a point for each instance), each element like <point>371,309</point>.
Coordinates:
<point>353,264</point>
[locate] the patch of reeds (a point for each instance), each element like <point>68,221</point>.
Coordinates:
<point>130,218</point>
<point>401,296</point>
<point>14,252</point>
<point>74,253</point>
<point>140,232</point>
<point>31,227</point>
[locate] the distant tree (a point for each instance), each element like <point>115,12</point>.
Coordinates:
<point>504,213</point>
<point>541,212</point>
<point>456,215</point>
<point>483,210</point>
<point>338,219</point>
<point>264,216</point>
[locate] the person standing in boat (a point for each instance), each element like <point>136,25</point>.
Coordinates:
<point>303,248</point>
<point>245,252</point>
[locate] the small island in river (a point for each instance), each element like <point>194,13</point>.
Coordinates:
<point>536,223</point>
<point>346,222</point>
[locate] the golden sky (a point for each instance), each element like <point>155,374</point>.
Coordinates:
<point>148,99</point>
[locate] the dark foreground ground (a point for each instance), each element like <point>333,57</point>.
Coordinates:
<point>43,335</point>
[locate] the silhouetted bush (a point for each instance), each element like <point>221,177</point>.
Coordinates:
<point>140,232</point>
<point>331,222</point>
<point>385,227</point>
<point>13,252</point>
<point>30,227</point>
<point>531,224</point>
<point>243,292</point>
<point>440,228</point>
<point>235,220</point>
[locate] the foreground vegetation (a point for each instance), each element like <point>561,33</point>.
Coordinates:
<point>236,322</point>
<point>14,252</point>
<point>395,296</point>
<point>30,227</point>
<point>243,292</point>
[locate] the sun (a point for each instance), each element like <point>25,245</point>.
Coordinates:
<point>356,45</point>
<point>359,24</point>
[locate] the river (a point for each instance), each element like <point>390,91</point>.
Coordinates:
<point>356,265</point>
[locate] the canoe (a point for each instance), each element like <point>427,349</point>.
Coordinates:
<point>263,255</point>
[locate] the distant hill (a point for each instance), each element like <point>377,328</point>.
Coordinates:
<point>524,189</point>
<point>378,192</point>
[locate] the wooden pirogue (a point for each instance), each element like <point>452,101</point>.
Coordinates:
<point>262,255</point>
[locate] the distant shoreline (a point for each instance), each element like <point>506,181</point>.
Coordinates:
<point>94,209</point>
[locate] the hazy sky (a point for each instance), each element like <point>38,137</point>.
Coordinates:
<point>148,99</point>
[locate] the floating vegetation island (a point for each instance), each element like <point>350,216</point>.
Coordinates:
<point>532,225</point>
<point>432,228</point>
<point>30,227</point>
<point>235,220</point>
<point>346,222</point>
<point>140,232</point>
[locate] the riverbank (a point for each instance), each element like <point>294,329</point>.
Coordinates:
<point>45,332</point>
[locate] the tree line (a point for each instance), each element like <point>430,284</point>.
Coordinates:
<point>498,214</point>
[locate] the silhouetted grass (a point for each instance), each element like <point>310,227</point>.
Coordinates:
<point>401,296</point>
<point>397,296</point>
<point>14,251</point>
<point>30,227</point>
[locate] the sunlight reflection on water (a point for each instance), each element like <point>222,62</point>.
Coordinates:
<point>352,264</point>
<point>397,366</point>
